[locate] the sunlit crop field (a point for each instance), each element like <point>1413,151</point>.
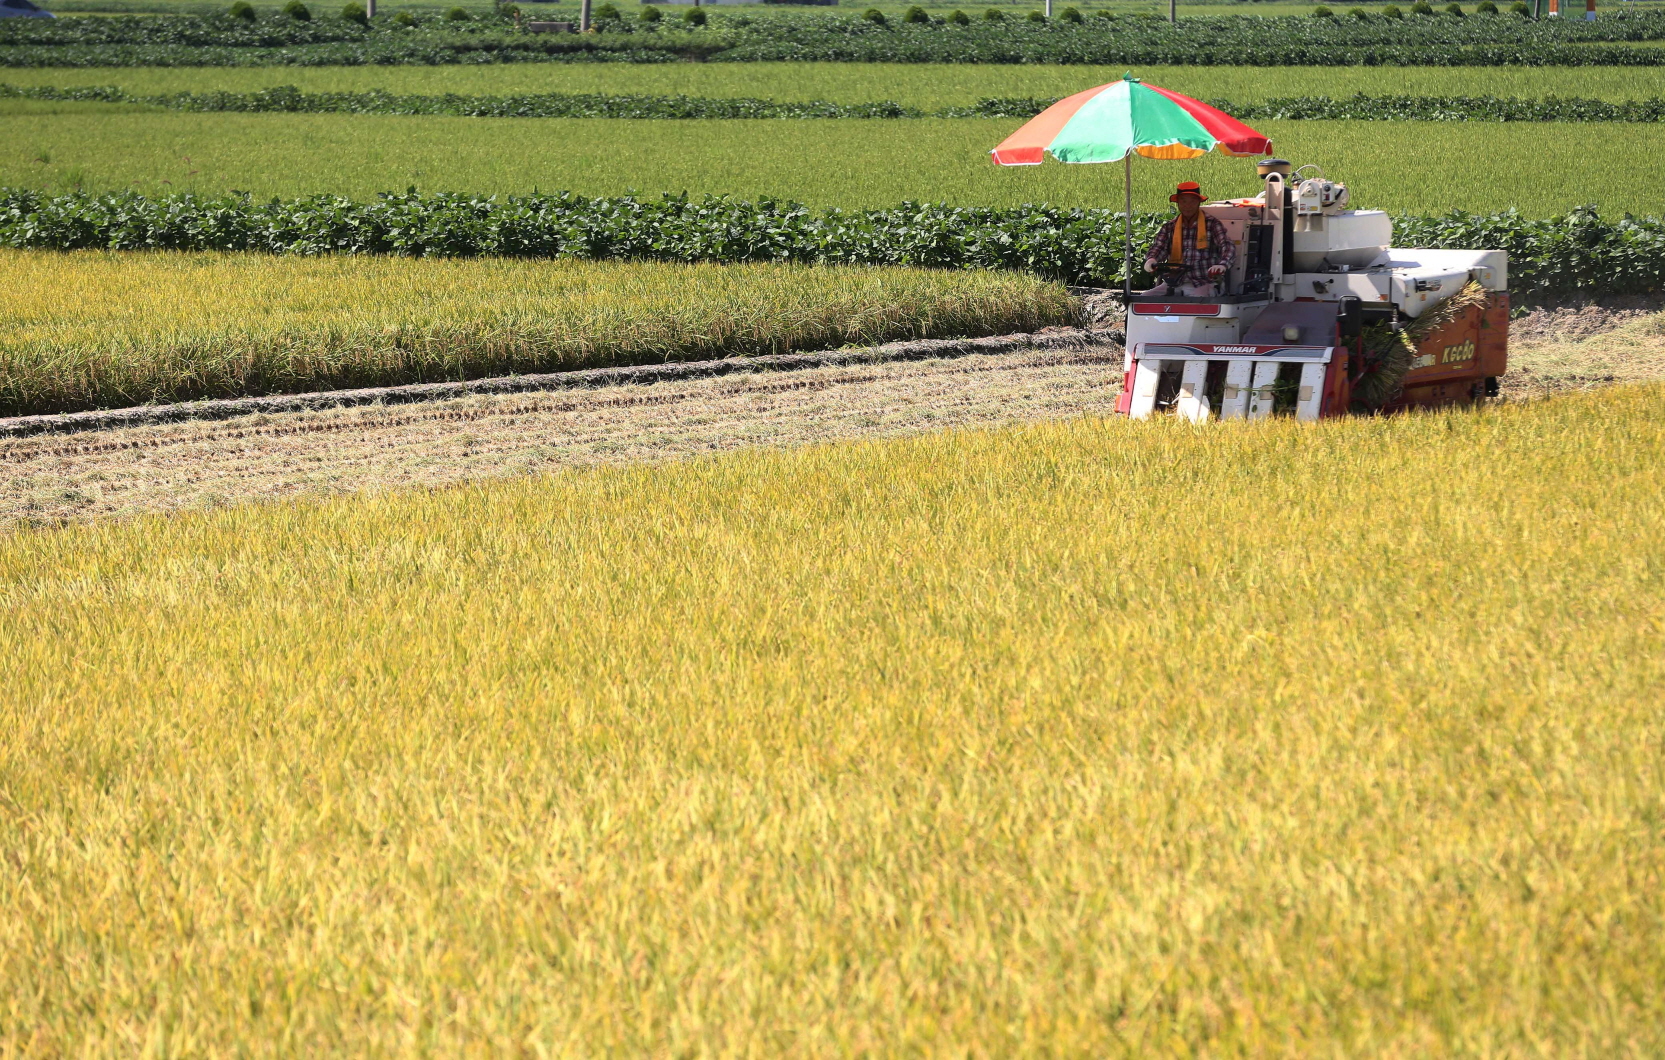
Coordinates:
<point>1088,738</point>
<point>928,86</point>
<point>90,329</point>
<point>1414,167</point>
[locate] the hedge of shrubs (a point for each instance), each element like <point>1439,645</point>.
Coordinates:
<point>1363,107</point>
<point>276,39</point>
<point>288,99</point>
<point>1578,252</point>
<point>1451,108</point>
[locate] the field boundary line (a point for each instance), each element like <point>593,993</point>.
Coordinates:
<point>634,375</point>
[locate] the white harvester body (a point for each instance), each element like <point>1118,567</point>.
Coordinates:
<point>1284,331</point>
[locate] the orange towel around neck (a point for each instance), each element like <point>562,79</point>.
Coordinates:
<point>1176,254</point>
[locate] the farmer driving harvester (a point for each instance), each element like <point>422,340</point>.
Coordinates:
<point>1193,247</point>
<point>1320,314</point>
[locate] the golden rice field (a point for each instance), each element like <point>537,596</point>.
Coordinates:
<point>1088,738</point>
<point>95,329</point>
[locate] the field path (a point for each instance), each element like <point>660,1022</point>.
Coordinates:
<point>173,467</point>
<point>205,464</point>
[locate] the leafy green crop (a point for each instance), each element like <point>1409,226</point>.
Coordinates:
<point>929,87</point>
<point>1578,251</point>
<point>222,40</point>
<point>1362,107</point>
<point>287,99</point>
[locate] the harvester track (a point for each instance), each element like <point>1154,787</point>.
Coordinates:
<point>638,375</point>
<point>198,463</point>
<point>92,442</point>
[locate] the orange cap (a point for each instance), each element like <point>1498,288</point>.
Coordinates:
<point>1188,187</point>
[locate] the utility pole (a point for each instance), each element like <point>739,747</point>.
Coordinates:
<point>1049,10</point>
<point>584,17</point>
<point>369,9</point>
<point>1173,11</point>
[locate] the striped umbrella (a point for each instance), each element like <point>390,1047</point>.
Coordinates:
<point>1114,122</point>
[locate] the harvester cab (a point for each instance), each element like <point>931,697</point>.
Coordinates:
<point>1318,316</point>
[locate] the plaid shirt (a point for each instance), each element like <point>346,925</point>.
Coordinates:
<point>1218,252</point>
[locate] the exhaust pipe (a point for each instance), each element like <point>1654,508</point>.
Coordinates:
<point>1276,215</point>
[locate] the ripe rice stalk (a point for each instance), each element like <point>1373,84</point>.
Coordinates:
<point>1444,312</point>
<point>1387,357</point>
<point>96,329</point>
<point>1088,738</point>
<point>1388,354</point>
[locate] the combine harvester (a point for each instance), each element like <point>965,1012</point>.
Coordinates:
<point>1319,316</point>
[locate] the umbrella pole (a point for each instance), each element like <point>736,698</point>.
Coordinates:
<point>1127,237</point>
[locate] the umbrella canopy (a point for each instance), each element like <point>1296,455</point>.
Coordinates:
<point>1107,123</point>
<point>1114,122</point>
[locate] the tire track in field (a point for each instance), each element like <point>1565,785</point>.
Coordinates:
<point>298,423</point>
<point>200,464</point>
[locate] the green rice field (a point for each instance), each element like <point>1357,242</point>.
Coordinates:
<point>1412,167</point>
<point>1401,166</point>
<point>926,86</point>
